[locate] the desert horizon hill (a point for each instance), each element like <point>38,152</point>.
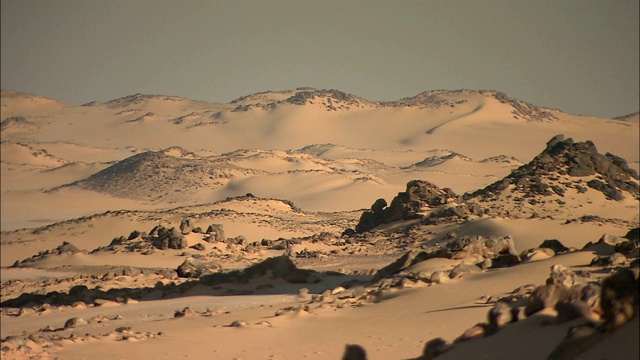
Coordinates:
<point>316,148</point>
<point>319,217</point>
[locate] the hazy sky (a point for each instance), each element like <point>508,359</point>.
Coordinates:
<point>580,56</point>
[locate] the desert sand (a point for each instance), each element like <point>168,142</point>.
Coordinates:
<point>154,226</point>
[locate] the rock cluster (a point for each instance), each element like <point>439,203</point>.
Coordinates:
<point>419,196</point>
<point>475,252</point>
<point>610,174</point>
<point>615,298</point>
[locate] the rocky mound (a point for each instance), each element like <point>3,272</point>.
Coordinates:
<point>419,197</point>
<point>331,99</point>
<point>562,157</point>
<point>439,98</point>
<point>18,123</point>
<point>158,176</point>
<point>563,165</point>
<point>65,248</point>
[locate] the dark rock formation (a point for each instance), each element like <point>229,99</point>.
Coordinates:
<point>65,248</point>
<point>216,233</point>
<point>186,225</point>
<point>163,238</point>
<point>192,268</point>
<point>564,157</point>
<point>619,299</point>
<point>554,245</point>
<point>354,352</point>
<point>279,267</point>
<point>462,268</point>
<point>419,196</point>
<point>403,262</point>
<point>490,247</point>
<point>547,296</point>
<point>500,314</point>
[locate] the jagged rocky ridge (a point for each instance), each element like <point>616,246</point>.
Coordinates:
<point>577,160</point>
<point>563,164</point>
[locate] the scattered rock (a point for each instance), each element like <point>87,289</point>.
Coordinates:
<point>547,296</point>
<point>617,259</point>
<point>462,268</point>
<point>216,233</point>
<point>198,247</point>
<point>500,314</point>
<point>74,322</point>
<point>562,276</point>
<point>192,268</point>
<point>239,323</point>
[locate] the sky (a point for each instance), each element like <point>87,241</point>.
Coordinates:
<point>579,56</point>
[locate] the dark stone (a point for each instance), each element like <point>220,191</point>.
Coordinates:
<point>500,314</point>
<point>547,296</point>
<point>198,247</point>
<point>354,352</point>
<point>462,268</point>
<point>554,245</point>
<point>216,233</point>
<point>186,225</point>
<point>619,299</point>
<point>433,348</point>
<point>192,268</point>
<point>403,262</point>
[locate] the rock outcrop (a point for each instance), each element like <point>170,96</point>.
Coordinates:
<point>420,196</point>
<point>608,173</point>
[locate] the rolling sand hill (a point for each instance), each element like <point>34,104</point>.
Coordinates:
<point>291,224</point>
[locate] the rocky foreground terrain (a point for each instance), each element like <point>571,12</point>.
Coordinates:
<point>531,253</point>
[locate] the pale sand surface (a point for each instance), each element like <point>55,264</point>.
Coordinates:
<point>311,170</point>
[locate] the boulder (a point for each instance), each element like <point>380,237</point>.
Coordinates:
<point>74,322</point>
<point>619,299</point>
<point>490,247</point>
<point>547,296</point>
<point>500,314</point>
<point>462,268</point>
<point>403,262</point>
<point>617,259</point>
<point>67,247</point>
<point>433,348</point>
<point>568,311</point>
<point>186,225</point>
<point>560,275</point>
<point>354,352</point>
<point>164,238</point>
<point>554,245</point>
<point>216,233</point>
<point>279,267</point>
<point>192,268</point>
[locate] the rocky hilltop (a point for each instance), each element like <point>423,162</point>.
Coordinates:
<point>563,170</point>
<point>571,161</point>
<point>156,175</point>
